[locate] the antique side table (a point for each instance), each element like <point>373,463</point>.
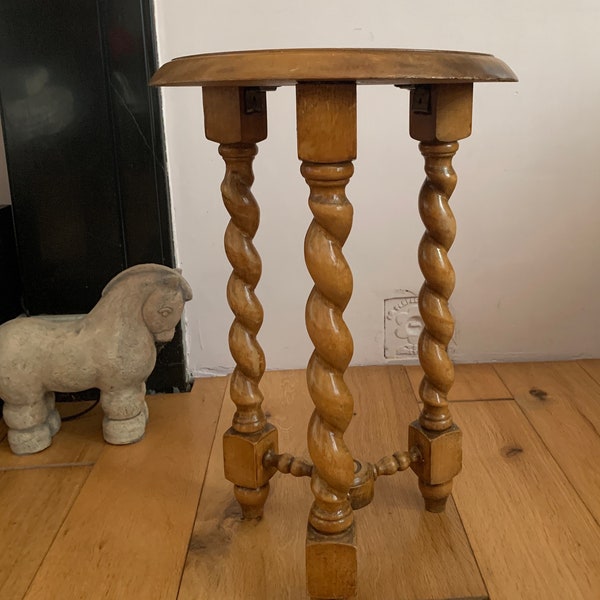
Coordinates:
<point>235,116</point>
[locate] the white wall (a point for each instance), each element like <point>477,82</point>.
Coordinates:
<point>527,254</point>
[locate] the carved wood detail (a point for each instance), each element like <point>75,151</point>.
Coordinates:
<point>439,283</point>
<point>333,464</point>
<point>398,461</point>
<point>288,464</point>
<point>245,260</point>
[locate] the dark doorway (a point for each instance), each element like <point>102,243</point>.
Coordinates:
<point>84,152</point>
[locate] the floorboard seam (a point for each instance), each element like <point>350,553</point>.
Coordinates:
<point>481,400</point>
<point>58,530</point>
<point>462,523</point>
<point>588,374</point>
<point>551,455</point>
<point>49,466</point>
<point>218,419</point>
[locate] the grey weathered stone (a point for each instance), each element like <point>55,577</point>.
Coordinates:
<point>111,348</point>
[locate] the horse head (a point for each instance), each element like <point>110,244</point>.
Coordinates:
<point>163,293</point>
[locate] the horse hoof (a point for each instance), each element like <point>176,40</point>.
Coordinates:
<point>125,431</point>
<point>29,441</point>
<point>54,421</point>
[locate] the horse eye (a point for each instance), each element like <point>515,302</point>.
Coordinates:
<point>165,312</point>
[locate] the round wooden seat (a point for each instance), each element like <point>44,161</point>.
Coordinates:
<point>360,65</point>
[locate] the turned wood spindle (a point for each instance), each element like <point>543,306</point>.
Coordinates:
<point>247,309</point>
<point>236,118</point>
<point>288,464</point>
<point>439,283</point>
<point>249,357</point>
<point>439,116</point>
<point>326,125</point>
<point>334,466</point>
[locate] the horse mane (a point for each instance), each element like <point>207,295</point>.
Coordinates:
<point>154,273</point>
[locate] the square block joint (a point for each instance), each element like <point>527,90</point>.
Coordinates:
<point>441,453</point>
<point>243,456</point>
<point>326,122</point>
<point>234,115</point>
<point>441,112</point>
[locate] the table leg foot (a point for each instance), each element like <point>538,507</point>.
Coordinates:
<point>243,456</point>
<point>251,500</point>
<point>435,496</point>
<point>331,564</point>
<point>440,459</point>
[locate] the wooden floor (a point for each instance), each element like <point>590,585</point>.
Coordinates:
<point>156,520</point>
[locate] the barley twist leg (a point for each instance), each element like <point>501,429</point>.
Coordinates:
<point>247,266</point>
<point>249,425</point>
<point>333,472</point>
<point>439,283</point>
<point>435,435</point>
<point>326,132</point>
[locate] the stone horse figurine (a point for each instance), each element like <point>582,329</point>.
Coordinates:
<point>112,348</point>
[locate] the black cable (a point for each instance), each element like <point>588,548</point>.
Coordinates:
<point>81,413</point>
<point>91,395</point>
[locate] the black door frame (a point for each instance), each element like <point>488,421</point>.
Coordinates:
<point>129,57</point>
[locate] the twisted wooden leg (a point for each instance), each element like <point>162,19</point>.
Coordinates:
<point>236,118</point>
<point>249,436</point>
<point>434,434</point>
<point>247,266</point>
<point>439,276</point>
<point>440,115</point>
<point>334,466</point>
<point>438,440</point>
<point>327,144</point>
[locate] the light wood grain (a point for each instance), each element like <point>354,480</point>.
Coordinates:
<point>33,505</point>
<point>592,367</point>
<point>326,135</point>
<point>395,535</point>
<point>231,558</point>
<point>562,402</point>
<point>532,535</point>
<point>78,442</point>
<point>472,382</point>
<point>394,532</point>
<point>364,65</point>
<point>230,123</point>
<point>126,535</point>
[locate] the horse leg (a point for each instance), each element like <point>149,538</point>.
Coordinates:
<point>125,414</point>
<point>28,428</point>
<point>53,415</point>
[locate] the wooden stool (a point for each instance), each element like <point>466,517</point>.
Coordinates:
<point>234,96</point>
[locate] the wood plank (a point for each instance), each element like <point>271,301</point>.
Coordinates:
<point>127,534</point>
<point>562,402</point>
<point>230,558</point>
<point>78,442</point>
<point>532,535</point>
<point>472,382</point>
<point>592,367</point>
<point>34,504</point>
<point>396,534</point>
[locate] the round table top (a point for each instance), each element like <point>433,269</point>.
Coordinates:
<point>361,65</point>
